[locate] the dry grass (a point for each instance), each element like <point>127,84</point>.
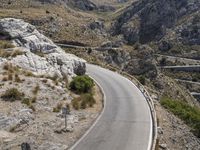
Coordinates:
<point>36,89</point>
<point>58,107</point>
<point>4,44</point>
<point>74,30</point>
<point>5,53</point>
<point>17,78</point>
<point>12,94</point>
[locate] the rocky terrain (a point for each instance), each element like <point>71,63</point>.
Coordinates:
<point>34,76</point>
<point>41,55</point>
<point>138,37</point>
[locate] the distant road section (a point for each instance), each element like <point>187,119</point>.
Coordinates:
<point>125,123</point>
<point>189,68</point>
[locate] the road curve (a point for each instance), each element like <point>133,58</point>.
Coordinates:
<point>125,123</point>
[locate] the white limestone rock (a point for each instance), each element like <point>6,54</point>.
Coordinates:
<point>54,61</point>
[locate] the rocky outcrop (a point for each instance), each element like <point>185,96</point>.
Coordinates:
<point>154,17</point>
<point>142,63</point>
<point>189,33</point>
<point>41,56</point>
<point>137,62</point>
<point>85,5</point>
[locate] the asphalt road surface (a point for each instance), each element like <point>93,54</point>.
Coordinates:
<point>125,123</point>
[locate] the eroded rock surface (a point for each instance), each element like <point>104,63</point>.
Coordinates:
<point>41,55</point>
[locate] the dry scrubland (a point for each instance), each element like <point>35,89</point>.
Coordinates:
<point>57,22</point>
<point>31,106</point>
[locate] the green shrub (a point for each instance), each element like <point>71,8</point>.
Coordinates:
<point>27,101</point>
<point>12,95</point>
<point>189,114</point>
<point>142,80</point>
<point>82,84</point>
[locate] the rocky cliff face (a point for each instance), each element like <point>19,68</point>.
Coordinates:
<point>41,55</point>
<point>148,20</point>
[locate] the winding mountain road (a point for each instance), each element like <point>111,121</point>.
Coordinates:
<point>125,123</point>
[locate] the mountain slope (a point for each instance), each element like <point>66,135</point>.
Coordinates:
<point>148,20</point>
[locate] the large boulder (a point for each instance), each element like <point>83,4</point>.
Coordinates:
<point>41,55</point>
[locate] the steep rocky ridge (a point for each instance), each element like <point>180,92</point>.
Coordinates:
<point>148,20</point>
<point>41,56</point>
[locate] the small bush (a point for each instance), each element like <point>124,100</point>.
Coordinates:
<point>12,95</point>
<point>57,108</point>
<point>36,89</point>
<point>6,66</point>
<point>27,101</point>
<point>47,12</point>
<point>17,78</point>
<point>13,128</point>
<point>44,80</point>
<point>28,74</point>
<point>142,80</point>
<point>54,78</point>
<point>32,107</point>
<point>89,51</point>
<point>10,68</point>
<point>88,99</point>
<point>10,77</point>
<point>84,101</point>
<point>33,100</point>
<point>163,61</point>
<point>82,84</point>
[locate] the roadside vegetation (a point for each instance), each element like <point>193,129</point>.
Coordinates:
<point>82,84</point>
<point>84,101</point>
<point>12,95</point>
<point>5,44</point>
<point>189,114</point>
